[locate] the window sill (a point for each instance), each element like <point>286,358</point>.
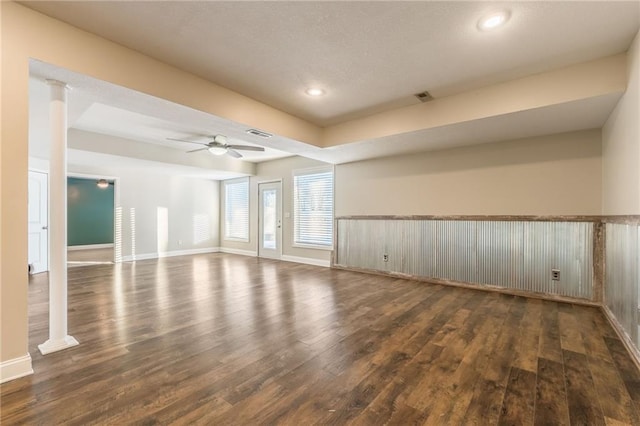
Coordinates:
<point>236,240</point>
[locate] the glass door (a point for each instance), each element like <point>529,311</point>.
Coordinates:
<point>270,220</point>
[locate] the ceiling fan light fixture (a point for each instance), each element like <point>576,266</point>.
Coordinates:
<point>221,139</point>
<point>218,150</point>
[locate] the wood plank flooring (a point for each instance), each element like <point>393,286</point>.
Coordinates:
<point>223,339</point>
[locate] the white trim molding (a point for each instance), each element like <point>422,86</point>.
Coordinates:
<point>15,368</point>
<point>306,261</point>
<point>143,256</point>
<point>188,252</point>
<point>312,247</point>
<point>229,250</point>
<point>90,247</point>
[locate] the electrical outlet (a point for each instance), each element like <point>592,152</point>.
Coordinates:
<point>555,275</point>
<point>179,242</point>
<point>385,257</point>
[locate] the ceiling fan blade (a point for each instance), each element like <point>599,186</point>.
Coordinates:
<point>196,150</point>
<point>246,147</point>
<point>234,154</point>
<point>184,140</point>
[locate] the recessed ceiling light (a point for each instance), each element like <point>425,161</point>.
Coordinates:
<point>313,91</point>
<point>494,20</point>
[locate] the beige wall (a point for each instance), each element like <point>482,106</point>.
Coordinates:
<point>621,145</point>
<point>269,171</point>
<point>550,175</point>
<point>13,187</point>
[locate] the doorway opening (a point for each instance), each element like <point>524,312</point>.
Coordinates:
<point>91,212</point>
<point>38,218</point>
<point>270,219</point>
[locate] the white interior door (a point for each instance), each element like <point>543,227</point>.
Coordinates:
<point>38,222</point>
<point>270,220</point>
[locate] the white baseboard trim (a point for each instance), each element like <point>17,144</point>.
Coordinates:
<point>90,247</point>
<point>15,368</point>
<point>251,253</point>
<point>238,251</point>
<point>306,260</point>
<point>143,256</point>
<point>188,252</point>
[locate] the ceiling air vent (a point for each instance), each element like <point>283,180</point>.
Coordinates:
<point>259,133</point>
<point>424,96</point>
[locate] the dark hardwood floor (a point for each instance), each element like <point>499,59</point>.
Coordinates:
<point>224,339</point>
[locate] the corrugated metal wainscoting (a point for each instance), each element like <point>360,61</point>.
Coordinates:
<point>622,279</point>
<point>518,255</point>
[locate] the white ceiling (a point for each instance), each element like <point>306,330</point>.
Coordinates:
<point>368,56</point>
<point>120,122</point>
<point>82,161</point>
<point>100,107</point>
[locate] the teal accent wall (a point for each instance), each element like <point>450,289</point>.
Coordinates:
<point>89,213</point>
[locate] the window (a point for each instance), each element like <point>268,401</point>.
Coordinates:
<point>313,208</point>
<point>236,210</point>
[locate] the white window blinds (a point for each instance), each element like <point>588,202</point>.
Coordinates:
<point>236,210</point>
<point>313,208</point>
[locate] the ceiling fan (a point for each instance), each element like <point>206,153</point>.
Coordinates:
<point>218,146</point>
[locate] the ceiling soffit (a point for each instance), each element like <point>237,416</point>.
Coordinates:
<point>583,81</point>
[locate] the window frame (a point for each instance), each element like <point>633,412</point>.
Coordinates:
<point>311,171</point>
<point>226,184</point>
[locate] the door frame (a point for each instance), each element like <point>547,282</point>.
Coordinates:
<point>279,231</point>
<point>116,202</point>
